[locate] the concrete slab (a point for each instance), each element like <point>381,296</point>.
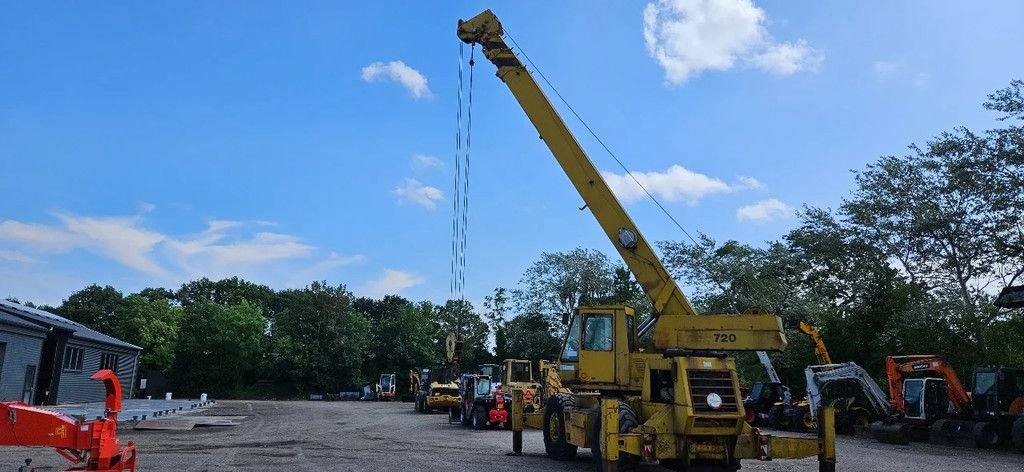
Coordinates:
<point>176,424</point>
<point>131,410</point>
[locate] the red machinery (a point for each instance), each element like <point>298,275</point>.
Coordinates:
<point>89,445</point>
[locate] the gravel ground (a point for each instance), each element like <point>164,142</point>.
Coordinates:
<point>363,436</point>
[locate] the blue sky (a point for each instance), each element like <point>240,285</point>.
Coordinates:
<point>148,145</point>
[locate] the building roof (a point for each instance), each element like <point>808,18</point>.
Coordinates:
<point>50,320</point>
<point>9,319</point>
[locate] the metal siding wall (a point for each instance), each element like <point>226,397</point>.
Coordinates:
<point>22,350</point>
<point>76,387</point>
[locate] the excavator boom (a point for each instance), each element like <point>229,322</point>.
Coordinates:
<point>820,351</point>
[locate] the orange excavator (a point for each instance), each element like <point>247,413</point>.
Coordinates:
<point>920,396</point>
<point>928,397</point>
<point>89,445</point>
<point>922,390</point>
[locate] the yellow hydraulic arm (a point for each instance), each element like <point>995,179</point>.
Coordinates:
<point>820,351</point>
<point>673,325</point>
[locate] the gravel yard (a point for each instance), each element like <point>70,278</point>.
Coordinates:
<point>365,436</point>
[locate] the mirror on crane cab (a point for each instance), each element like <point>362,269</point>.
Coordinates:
<point>597,345</point>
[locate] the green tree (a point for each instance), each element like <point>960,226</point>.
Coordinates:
<point>497,307</point>
<point>93,306</point>
<point>458,316</point>
<point>218,347</point>
<point>402,335</point>
<point>559,282</point>
<point>529,337</point>
<point>627,291</point>
<point>320,341</point>
<point>151,324</point>
<point>231,291</point>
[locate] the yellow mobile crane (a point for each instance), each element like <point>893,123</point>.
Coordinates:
<point>678,404</point>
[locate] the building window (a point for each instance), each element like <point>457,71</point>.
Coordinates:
<point>109,361</point>
<point>72,358</point>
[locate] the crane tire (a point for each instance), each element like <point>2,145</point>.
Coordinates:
<point>627,421</point>
<point>556,441</point>
<point>985,435</point>
<point>1017,434</point>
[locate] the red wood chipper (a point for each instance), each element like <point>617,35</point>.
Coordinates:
<point>89,445</point>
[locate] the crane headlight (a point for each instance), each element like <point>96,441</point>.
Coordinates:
<point>627,238</point>
<point>714,400</point>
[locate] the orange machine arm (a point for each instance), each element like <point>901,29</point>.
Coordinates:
<point>899,367</point>
<point>90,445</point>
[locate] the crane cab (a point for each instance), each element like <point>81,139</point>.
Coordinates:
<point>597,346</point>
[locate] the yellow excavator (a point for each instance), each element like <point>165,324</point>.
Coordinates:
<point>677,404</point>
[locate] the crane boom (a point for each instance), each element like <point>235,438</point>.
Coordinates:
<point>610,214</point>
<point>752,331</point>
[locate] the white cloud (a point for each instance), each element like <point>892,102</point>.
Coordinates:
<point>422,161</point>
<point>764,211</point>
<point>686,37</point>
<point>391,282</point>
<point>321,269</point>
<point>412,191</point>
<point>118,238</point>
<point>789,58</point>
<point>899,72</point>
<point>410,78</point>
<point>15,256</point>
<point>40,236</point>
<point>676,183</point>
<point>749,182</point>
<point>225,248</point>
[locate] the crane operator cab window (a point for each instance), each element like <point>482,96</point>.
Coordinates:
<point>571,350</point>
<point>597,332</point>
<point>520,372</point>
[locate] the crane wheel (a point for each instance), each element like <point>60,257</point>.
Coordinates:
<point>1017,434</point>
<point>627,421</point>
<point>985,435</point>
<point>777,419</point>
<point>479,418</point>
<point>802,420</point>
<point>556,441</point>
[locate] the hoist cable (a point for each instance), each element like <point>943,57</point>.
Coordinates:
<point>458,157</point>
<point>465,181</point>
<point>706,264</point>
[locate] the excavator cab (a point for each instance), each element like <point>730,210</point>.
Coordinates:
<point>925,399</point>
<point>597,345</point>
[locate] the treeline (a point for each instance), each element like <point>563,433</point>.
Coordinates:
<point>235,338</point>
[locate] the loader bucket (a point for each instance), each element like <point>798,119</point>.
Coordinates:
<point>890,433</point>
